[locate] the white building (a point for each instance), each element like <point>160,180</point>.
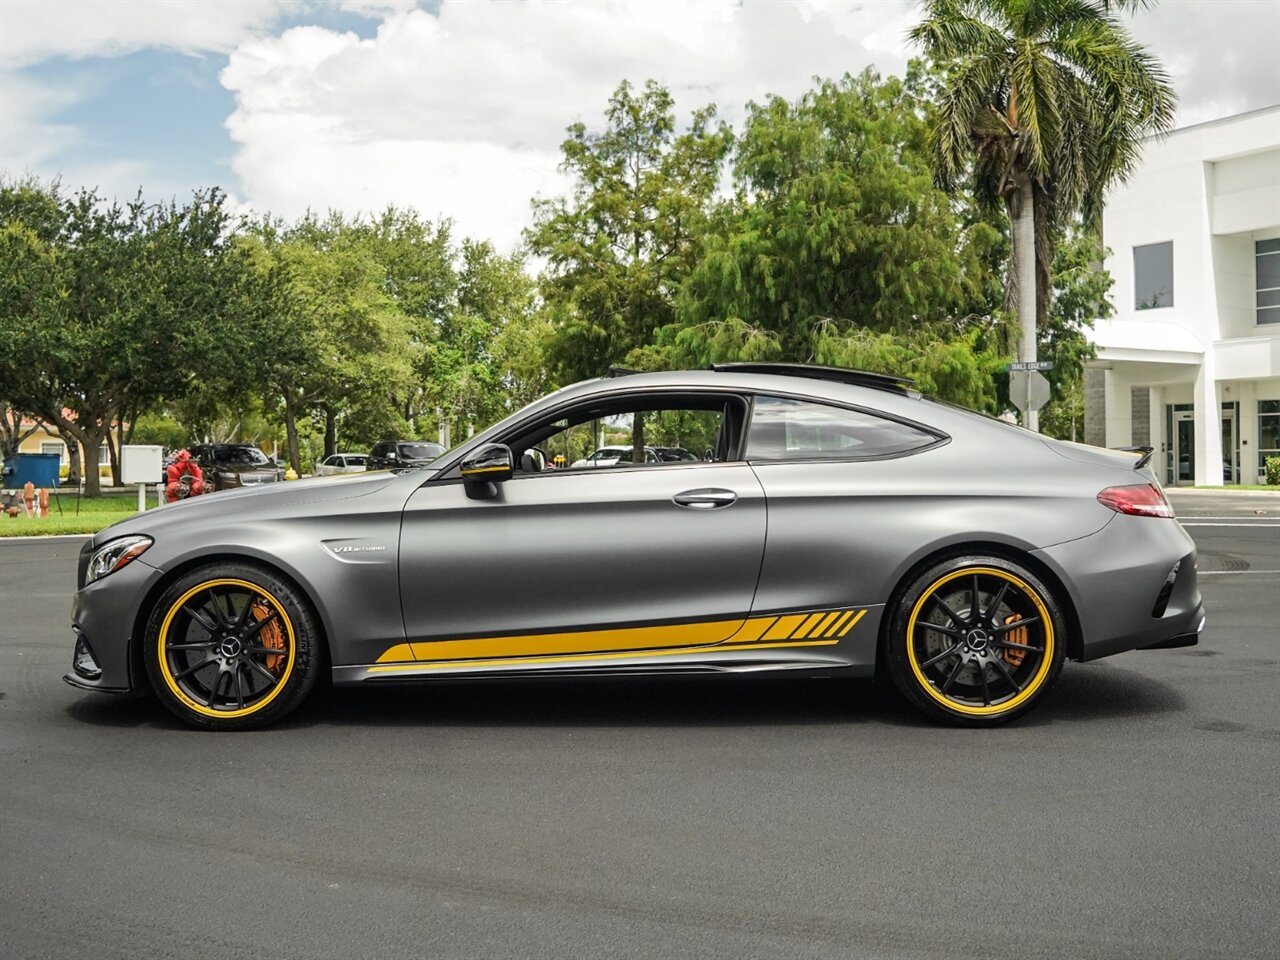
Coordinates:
<point>1190,363</point>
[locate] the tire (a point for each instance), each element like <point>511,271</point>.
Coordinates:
<point>232,646</point>
<point>975,666</point>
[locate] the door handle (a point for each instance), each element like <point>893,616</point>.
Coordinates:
<point>707,498</point>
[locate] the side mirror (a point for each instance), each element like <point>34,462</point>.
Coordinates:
<point>483,468</point>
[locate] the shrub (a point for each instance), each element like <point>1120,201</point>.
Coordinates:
<point>1273,471</point>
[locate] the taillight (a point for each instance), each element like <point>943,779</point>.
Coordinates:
<point>1139,500</point>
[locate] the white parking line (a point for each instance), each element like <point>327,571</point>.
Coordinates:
<point>1225,573</point>
<point>1263,526</point>
<point>1234,516</point>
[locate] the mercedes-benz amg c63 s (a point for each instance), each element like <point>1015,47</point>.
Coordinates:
<point>836,523</point>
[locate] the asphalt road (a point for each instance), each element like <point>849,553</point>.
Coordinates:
<point>1134,814</point>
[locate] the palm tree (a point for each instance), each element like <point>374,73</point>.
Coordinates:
<point>1047,102</point>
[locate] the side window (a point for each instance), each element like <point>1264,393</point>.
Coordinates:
<point>785,429</point>
<point>613,434</point>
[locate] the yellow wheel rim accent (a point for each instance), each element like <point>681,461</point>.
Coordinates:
<point>163,640</point>
<point>1036,681</point>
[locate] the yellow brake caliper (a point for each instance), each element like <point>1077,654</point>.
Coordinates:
<point>1019,635</point>
<point>270,636</point>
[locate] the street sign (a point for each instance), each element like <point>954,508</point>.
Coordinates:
<point>1029,365</point>
<point>1028,389</point>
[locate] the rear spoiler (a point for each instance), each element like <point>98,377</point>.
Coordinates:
<point>1142,460</point>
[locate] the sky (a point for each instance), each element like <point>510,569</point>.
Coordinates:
<point>457,108</point>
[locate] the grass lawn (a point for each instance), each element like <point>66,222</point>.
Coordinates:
<point>95,513</point>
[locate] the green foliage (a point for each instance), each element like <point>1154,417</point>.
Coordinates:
<point>1081,294</point>
<point>155,428</point>
<point>102,306</point>
<point>1044,104</point>
<point>1272,468</point>
<point>836,219</point>
<point>619,247</point>
<point>486,357</point>
<point>837,248</point>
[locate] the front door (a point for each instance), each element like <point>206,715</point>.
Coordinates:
<point>632,557</point>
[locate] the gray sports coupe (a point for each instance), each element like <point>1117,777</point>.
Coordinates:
<point>837,524</point>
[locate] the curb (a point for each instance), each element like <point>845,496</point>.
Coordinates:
<point>47,538</point>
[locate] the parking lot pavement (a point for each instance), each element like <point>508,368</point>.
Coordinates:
<point>1132,815</point>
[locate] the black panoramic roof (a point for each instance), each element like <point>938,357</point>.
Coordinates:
<point>859,378</point>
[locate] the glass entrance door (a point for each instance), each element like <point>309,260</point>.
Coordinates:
<point>1184,447</point>
<point>1229,465</point>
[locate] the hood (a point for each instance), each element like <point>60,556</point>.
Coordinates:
<point>263,499</point>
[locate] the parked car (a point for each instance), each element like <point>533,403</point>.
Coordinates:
<point>228,466</point>
<point>962,558</point>
<point>613,456</point>
<point>402,453</point>
<point>674,454</point>
<point>342,463</point>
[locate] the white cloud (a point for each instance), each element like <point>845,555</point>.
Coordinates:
<point>462,113</point>
<point>1221,55</point>
<point>27,139</point>
<point>34,30</point>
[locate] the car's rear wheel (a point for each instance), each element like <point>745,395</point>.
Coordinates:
<point>975,640</point>
<point>231,646</point>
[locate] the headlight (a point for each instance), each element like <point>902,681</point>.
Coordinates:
<point>110,557</point>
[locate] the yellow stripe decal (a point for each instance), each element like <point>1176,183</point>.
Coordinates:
<point>853,623</point>
<point>585,641</point>
<point>806,627</point>
<point>839,622</point>
<point>821,629</point>
<point>752,630</point>
<point>783,627</point>
<point>757,633</point>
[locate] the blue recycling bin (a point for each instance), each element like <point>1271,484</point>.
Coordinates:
<point>40,468</point>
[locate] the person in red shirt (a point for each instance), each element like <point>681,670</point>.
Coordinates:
<point>177,485</point>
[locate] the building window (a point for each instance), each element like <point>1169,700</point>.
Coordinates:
<point>52,446</point>
<point>1268,286</point>
<point>1268,432</point>
<point>1153,276</point>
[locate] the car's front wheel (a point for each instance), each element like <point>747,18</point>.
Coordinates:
<point>975,640</point>
<point>231,646</point>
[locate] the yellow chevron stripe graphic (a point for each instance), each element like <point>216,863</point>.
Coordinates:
<point>764,632</point>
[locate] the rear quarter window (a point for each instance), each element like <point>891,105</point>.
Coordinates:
<point>783,428</point>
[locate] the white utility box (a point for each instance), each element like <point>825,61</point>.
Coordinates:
<point>141,463</point>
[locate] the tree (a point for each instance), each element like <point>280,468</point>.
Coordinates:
<point>618,249</point>
<point>98,303</point>
<point>487,356</point>
<point>418,258</point>
<point>838,248</point>
<point>1080,295</point>
<point>1045,104</point>
<point>333,340</point>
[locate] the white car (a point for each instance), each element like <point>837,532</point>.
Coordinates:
<point>611,456</point>
<point>342,463</point>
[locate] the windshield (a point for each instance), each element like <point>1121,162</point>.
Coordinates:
<point>420,451</point>
<point>246,455</point>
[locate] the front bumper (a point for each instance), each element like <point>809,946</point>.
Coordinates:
<point>103,616</point>
<point>1117,580</point>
